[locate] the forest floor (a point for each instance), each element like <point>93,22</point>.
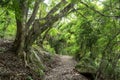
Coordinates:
<point>61,67</point>
<point>11,66</point>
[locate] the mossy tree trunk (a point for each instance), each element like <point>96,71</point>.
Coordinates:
<point>29,28</point>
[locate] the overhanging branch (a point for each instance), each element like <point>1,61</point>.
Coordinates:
<point>55,8</point>
<point>61,14</point>
<point>49,21</point>
<point>117,16</point>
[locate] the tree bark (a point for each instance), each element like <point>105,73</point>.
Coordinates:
<point>25,35</point>
<point>20,15</point>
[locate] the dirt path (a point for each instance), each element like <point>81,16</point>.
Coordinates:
<point>65,70</point>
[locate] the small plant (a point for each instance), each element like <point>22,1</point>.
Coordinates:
<point>29,78</point>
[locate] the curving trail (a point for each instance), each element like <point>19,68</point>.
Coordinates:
<point>65,70</point>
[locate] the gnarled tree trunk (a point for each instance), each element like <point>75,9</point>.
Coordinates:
<point>29,30</point>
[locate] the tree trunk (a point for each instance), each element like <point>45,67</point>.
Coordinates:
<point>25,35</point>
<point>20,37</point>
<point>20,15</point>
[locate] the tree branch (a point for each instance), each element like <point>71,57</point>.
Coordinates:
<point>55,8</point>
<point>35,10</point>
<point>34,33</point>
<point>76,10</point>
<point>117,16</point>
<point>61,14</point>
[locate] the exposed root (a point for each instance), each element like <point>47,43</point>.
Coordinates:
<point>25,59</point>
<point>34,60</point>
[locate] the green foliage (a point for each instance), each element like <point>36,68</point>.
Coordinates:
<point>91,37</point>
<point>91,33</point>
<point>7,21</point>
<point>29,78</point>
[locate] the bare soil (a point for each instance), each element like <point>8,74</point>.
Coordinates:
<point>13,68</point>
